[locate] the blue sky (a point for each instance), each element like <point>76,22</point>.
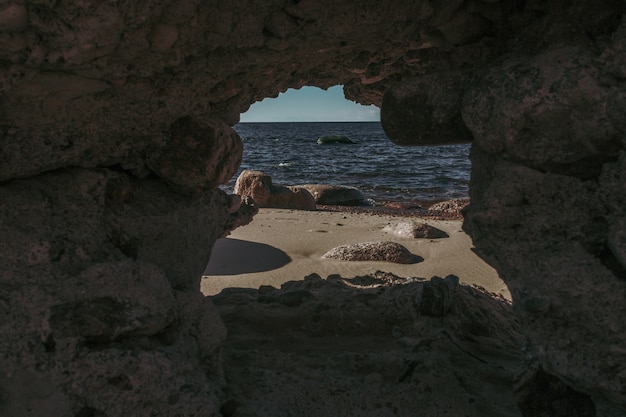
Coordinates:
<point>310,104</point>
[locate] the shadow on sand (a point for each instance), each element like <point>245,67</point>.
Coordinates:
<point>234,257</point>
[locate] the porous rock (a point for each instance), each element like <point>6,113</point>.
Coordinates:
<point>373,251</point>
<point>454,207</point>
<point>197,155</point>
<point>536,130</point>
<point>102,313</point>
<point>88,289</point>
<point>258,186</point>
<point>415,230</point>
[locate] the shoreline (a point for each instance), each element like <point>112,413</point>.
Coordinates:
<point>282,245</point>
<point>428,210</point>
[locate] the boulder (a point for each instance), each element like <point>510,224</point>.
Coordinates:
<point>415,230</point>
<point>254,184</point>
<point>335,140</point>
<point>291,197</point>
<point>373,251</point>
<point>258,186</point>
<point>335,194</point>
<point>454,207</point>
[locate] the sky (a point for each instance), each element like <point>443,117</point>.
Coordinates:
<point>310,104</point>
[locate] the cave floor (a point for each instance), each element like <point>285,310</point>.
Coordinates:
<point>331,347</point>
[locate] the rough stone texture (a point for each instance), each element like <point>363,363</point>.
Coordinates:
<point>515,217</point>
<point>551,112</point>
<point>426,111</point>
<point>415,230</point>
<point>291,197</point>
<point>450,206</point>
<point>114,133</point>
<point>366,339</point>
<point>544,395</point>
<point>91,321</point>
<point>241,211</point>
<point>373,251</point>
<point>254,184</point>
<point>335,194</point>
<point>258,186</point>
<point>436,297</point>
<point>211,153</point>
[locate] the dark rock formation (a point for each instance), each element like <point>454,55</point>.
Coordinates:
<point>372,348</point>
<point>95,303</point>
<point>115,132</point>
<point>436,297</point>
<point>426,110</point>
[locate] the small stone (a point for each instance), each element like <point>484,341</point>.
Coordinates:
<point>373,251</point>
<point>415,230</point>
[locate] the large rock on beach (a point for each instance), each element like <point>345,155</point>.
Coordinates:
<point>415,230</point>
<point>258,186</point>
<point>336,194</point>
<point>373,251</point>
<point>290,197</point>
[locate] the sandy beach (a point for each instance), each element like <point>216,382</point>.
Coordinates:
<point>283,245</point>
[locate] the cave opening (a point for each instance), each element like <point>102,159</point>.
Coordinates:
<point>400,182</point>
<point>115,130</point>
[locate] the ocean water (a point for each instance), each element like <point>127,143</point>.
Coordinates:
<point>383,171</point>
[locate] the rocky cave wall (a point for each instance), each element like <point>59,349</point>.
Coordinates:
<point>115,133</point>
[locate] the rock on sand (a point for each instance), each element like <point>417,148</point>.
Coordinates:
<point>415,230</point>
<point>335,194</point>
<point>373,251</point>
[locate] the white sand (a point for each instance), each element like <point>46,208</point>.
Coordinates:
<point>283,245</point>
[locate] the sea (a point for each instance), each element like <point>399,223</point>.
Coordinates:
<point>383,171</point>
